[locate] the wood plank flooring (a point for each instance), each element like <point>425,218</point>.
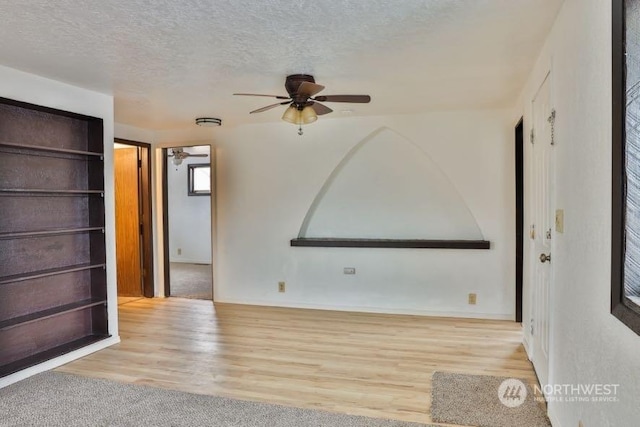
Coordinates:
<point>356,363</point>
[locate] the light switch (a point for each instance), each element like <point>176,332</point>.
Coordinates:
<point>560,220</point>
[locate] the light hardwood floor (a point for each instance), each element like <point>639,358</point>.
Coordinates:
<point>363,364</point>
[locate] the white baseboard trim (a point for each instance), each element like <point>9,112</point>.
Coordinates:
<point>190,261</point>
<point>366,309</point>
<point>58,361</point>
<point>552,417</point>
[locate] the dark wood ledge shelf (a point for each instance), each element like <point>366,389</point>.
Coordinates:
<point>45,192</point>
<point>51,149</point>
<point>50,272</point>
<point>390,243</point>
<point>42,233</point>
<point>43,356</point>
<point>51,312</point>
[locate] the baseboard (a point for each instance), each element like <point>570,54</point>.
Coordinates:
<point>190,261</point>
<point>58,361</point>
<point>553,417</point>
<point>377,310</point>
<point>526,345</point>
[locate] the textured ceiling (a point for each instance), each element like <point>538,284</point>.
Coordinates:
<point>167,62</point>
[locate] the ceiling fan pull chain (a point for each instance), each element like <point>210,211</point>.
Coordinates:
<point>300,130</point>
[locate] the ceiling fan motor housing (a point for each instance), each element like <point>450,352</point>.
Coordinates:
<point>294,81</point>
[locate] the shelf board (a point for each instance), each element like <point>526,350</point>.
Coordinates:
<point>51,312</point>
<point>45,192</point>
<point>50,354</point>
<point>42,233</point>
<point>50,272</point>
<point>390,243</point>
<point>51,149</point>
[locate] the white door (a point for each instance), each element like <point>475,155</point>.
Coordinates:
<point>542,228</point>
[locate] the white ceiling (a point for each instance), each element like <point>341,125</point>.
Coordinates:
<point>168,61</point>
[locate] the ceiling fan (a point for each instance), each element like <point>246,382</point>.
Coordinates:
<point>304,105</point>
<point>179,155</point>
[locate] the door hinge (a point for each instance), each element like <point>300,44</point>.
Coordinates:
<point>549,234</point>
<point>532,136</point>
<point>141,229</point>
<point>139,163</point>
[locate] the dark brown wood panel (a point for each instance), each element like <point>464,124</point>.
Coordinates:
<point>20,298</point>
<point>28,126</point>
<point>21,256</point>
<point>127,222</point>
<point>20,213</point>
<point>32,338</point>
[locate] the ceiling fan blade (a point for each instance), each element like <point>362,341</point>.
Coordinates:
<point>309,89</point>
<point>361,99</point>
<point>198,155</point>
<point>320,109</point>
<point>268,107</point>
<point>259,94</point>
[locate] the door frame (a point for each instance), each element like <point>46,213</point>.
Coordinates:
<point>519,182</point>
<point>163,170</point>
<point>146,211</point>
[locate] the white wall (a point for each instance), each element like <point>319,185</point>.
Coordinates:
<point>189,216</point>
<point>26,87</point>
<point>268,177</point>
<point>588,344</point>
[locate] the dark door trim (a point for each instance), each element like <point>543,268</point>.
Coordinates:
<point>145,202</point>
<point>165,222</point>
<point>519,160</point>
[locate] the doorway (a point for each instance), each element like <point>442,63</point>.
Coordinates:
<point>188,204</point>
<point>134,239</point>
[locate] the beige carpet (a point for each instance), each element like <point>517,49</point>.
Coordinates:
<point>54,399</point>
<point>191,280</point>
<point>474,400</point>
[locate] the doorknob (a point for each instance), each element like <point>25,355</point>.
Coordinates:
<point>545,258</point>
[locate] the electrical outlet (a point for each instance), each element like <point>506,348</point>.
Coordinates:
<point>281,286</point>
<point>179,251</point>
<point>349,270</point>
<point>472,299</point>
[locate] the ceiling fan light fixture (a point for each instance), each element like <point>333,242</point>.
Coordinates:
<point>291,115</point>
<point>208,121</point>
<point>176,161</point>
<point>300,117</point>
<point>308,115</point>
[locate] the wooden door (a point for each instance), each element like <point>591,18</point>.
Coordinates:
<point>128,252</point>
<point>542,229</point>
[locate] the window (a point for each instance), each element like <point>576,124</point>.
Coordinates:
<point>625,213</point>
<point>199,179</point>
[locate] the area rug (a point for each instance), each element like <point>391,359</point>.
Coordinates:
<point>484,401</point>
<point>57,399</point>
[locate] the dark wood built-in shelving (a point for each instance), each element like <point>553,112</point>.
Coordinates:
<point>53,279</point>
<point>49,272</point>
<point>51,149</point>
<point>45,314</point>
<point>390,243</point>
<point>49,232</point>
<point>34,359</point>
